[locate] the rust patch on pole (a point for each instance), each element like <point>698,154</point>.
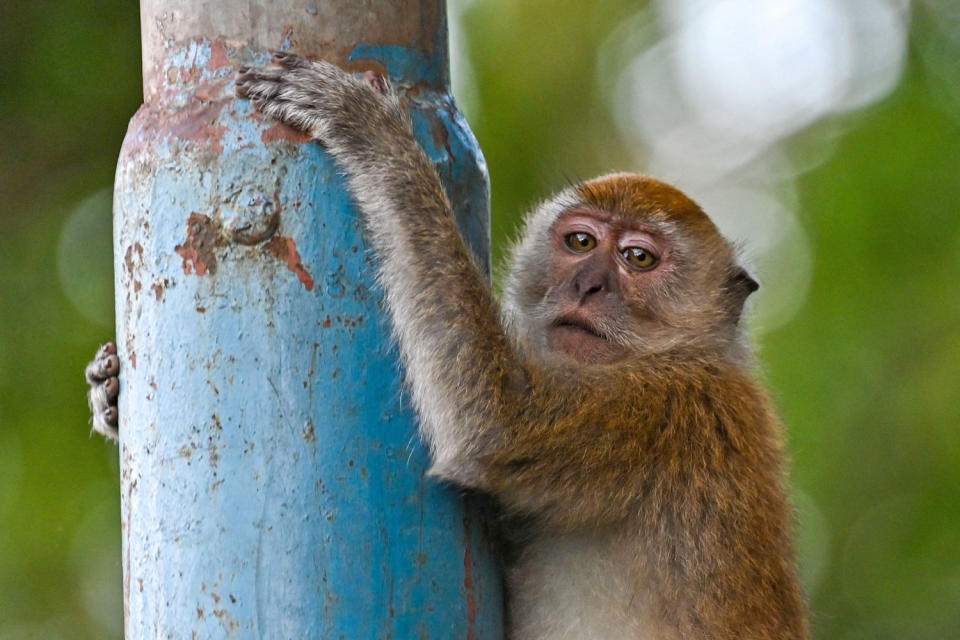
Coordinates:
<point>280,131</point>
<point>285,250</point>
<point>197,250</point>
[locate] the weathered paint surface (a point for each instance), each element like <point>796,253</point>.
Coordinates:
<point>273,482</point>
<point>341,31</point>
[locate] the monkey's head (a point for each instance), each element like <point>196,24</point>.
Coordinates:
<point>621,266</point>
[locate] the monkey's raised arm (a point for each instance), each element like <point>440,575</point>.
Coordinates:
<point>467,378</point>
<point>654,433</point>
<point>445,319</point>
<point>493,420</point>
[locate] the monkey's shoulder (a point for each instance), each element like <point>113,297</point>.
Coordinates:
<point>700,398</point>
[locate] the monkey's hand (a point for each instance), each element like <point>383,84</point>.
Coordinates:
<point>104,388</point>
<point>324,101</point>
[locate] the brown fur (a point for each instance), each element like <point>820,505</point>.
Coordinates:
<point>657,456</point>
<point>677,448</point>
<point>680,452</point>
<point>667,457</point>
<point>635,195</point>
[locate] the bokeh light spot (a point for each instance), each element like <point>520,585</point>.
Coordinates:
<point>85,258</point>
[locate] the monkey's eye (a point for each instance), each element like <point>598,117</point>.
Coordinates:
<point>639,258</point>
<point>581,242</point>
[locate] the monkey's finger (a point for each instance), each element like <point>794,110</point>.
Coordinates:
<point>103,396</point>
<point>105,364</point>
<point>277,108</point>
<point>250,88</point>
<point>301,85</point>
<point>290,60</point>
<point>102,399</point>
<point>111,365</point>
<point>264,83</point>
<point>268,74</point>
<point>105,423</point>
<point>303,118</point>
<point>111,386</point>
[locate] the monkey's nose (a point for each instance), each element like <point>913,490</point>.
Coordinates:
<point>588,282</point>
<point>588,289</point>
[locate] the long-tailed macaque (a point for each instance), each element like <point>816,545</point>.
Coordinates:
<point>607,399</point>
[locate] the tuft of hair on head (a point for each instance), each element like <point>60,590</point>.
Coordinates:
<point>632,194</point>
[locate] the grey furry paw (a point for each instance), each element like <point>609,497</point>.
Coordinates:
<point>314,97</point>
<point>104,388</point>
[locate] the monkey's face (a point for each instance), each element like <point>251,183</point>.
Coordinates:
<point>600,263</point>
<point>623,266</point>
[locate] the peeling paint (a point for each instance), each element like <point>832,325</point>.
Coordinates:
<point>128,258</point>
<point>218,56</point>
<point>287,43</point>
<point>159,287</point>
<point>309,432</point>
<point>199,126</point>
<point>280,131</point>
<point>285,250</point>
<point>197,250</point>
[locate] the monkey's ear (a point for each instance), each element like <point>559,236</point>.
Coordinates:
<point>740,285</point>
<point>741,280</point>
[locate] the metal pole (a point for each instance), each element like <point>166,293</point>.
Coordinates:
<point>273,482</point>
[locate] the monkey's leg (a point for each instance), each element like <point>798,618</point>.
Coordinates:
<point>104,384</point>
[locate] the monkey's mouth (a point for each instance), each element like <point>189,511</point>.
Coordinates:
<point>576,325</point>
<point>580,339</point>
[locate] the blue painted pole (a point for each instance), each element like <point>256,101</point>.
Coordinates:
<point>272,479</point>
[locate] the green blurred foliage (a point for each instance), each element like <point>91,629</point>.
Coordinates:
<point>867,373</point>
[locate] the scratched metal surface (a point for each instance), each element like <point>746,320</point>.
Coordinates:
<point>273,483</point>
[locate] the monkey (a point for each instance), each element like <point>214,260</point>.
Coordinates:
<point>607,400</point>
<point>103,377</point>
